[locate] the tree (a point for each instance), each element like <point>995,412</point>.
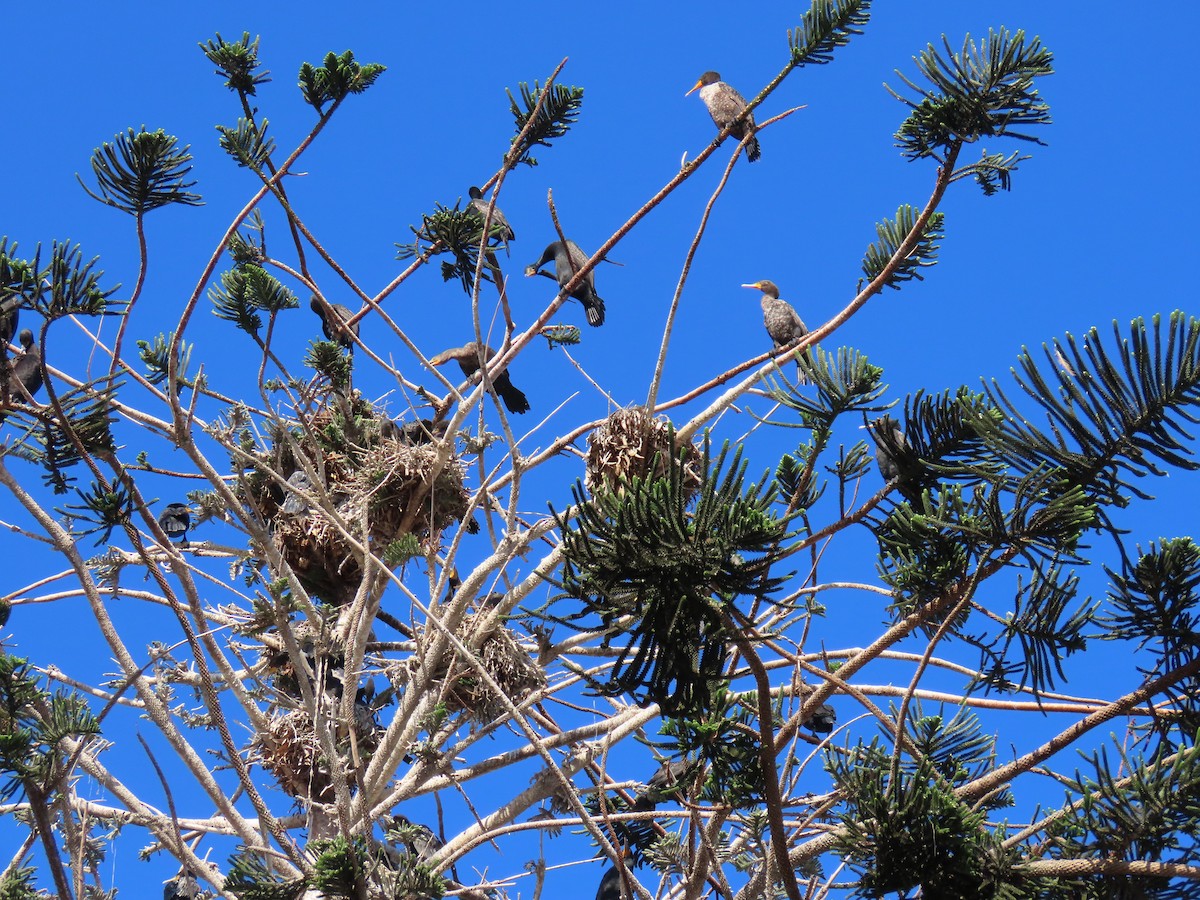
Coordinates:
<point>369,614</point>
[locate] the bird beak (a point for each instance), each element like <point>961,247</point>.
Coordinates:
<point>757,285</point>
<point>698,84</point>
<point>530,271</point>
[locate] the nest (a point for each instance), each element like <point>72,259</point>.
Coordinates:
<point>380,485</point>
<point>463,690</point>
<point>632,444</point>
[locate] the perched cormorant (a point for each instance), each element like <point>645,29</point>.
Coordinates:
<point>424,431</point>
<point>27,370</point>
<point>823,720</point>
<point>724,105</point>
<point>898,461</point>
<point>567,261</point>
<point>783,324</point>
<point>10,313</point>
<point>181,887</point>
<point>419,839</point>
<point>175,521</point>
<point>667,776</point>
<point>500,228</point>
<point>467,357</point>
<point>336,330</point>
<point>293,503</point>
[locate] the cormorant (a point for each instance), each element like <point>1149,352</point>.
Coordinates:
<point>823,720</point>
<point>724,105</point>
<point>336,330</point>
<point>898,461</point>
<point>10,313</point>
<point>27,370</point>
<point>568,260</point>
<point>293,503</point>
<point>419,839</point>
<point>424,431</point>
<point>500,227</point>
<point>784,325</point>
<point>467,357</point>
<point>175,521</point>
<point>181,887</point>
<point>667,776</point>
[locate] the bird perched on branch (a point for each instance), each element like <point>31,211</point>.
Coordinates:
<point>898,461</point>
<point>500,228</point>
<point>334,317</point>
<point>662,784</point>
<point>725,104</point>
<point>783,323</point>
<point>10,313</point>
<point>175,521</point>
<point>569,259</point>
<point>181,887</point>
<point>467,357</point>
<point>27,370</point>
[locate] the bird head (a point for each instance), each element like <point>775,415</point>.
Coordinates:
<point>706,78</point>
<point>474,193</point>
<point>767,287</point>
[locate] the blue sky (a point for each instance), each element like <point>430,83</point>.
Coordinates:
<point>1096,228</point>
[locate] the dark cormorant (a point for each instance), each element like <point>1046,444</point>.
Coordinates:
<point>419,839</point>
<point>10,313</point>
<point>500,228</point>
<point>567,261</point>
<point>724,105</point>
<point>337,329</point>
<point>784,325</point>
<point>467,357</point>
<point>175,521</point>
<point>181,887</point>
<point>27,370</point>
<point>667,776</point>
<point>897,461</point>
<point>823,720</point>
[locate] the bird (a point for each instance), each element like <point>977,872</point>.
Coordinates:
<point>783,323</point>
<point>417,838</point>
<point>724,105</point>
<point>27,370</point>
<point>659,786</point>
<point>181,887</point>
<point>467,357</point>
<point>499,224</point>
<point>569,259</point>
<point>823,720</point>
<point>10,313</point>
<point>175,521</point>
<point>294,504</point>
<point>897,461</point>
<point>336,330</point>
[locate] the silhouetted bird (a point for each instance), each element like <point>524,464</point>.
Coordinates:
<point>423,431</point>
<point>724,105</point>
<point>500,229</point>
<point>10,314</point>
<point>897,460</point>
<point>293,503</point>
<point>335,330</point>
<point>660,785</point>
<point>568,260</point>
<point>417,838</point>
<point>822,720</point>
<point>27,370</point>
<point>181,887</point>
<point>175,521</point>
<point>467,357</point>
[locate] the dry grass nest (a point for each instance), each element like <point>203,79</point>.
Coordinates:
<point>379,485</point>
<point>631,444</point>
<point>460,685</point>
<point>289,750</point>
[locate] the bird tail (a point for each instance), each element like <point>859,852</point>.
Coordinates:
<point>594,307</point>
<point>752,150</point>
<point>514,398</point>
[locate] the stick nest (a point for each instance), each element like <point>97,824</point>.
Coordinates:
<point>631,444</point>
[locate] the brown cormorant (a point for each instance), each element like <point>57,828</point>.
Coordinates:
<point>898,461</point>
<point>181,887</point>
<point>661,783</point>
<point>27,370</point>
<point>823,720</point>
<point>335,330</point>
<point>175,521</point>
<point>724,105</point>
<point>467,357</point>
<point>499,227</point>
<point>568,260</point>
<point>784,325</point>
